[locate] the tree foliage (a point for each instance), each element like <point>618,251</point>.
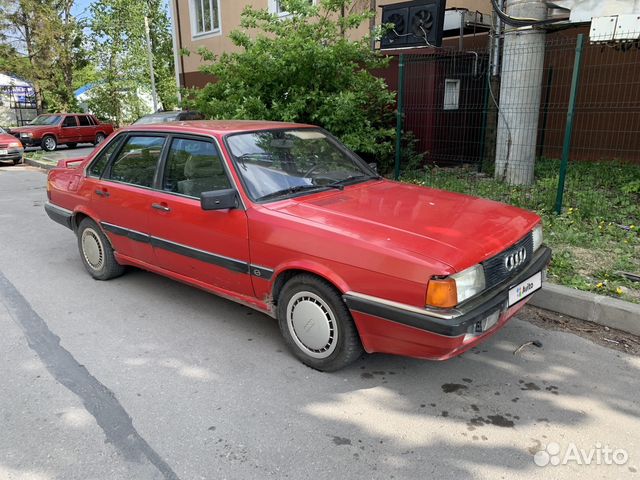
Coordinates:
<point>120,55</point>
<point>303,68</point>
<point>42,42</point>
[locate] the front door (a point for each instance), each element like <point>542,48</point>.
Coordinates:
<point>209,246</point>
<point>123,194</point>
<point>69,131</point>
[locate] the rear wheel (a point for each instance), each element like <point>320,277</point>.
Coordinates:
<point>96,252</point>
<point>316,324</point>
<point>99,138</point>
<point>49,143</point>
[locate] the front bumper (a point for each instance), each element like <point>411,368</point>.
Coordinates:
<point>12,155</point>
<point>391,327</point>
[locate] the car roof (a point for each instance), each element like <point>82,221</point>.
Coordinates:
<point>218,127</point>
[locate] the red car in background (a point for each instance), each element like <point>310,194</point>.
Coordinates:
<point>11,150</point>
<point>284,219</point>
<point>50,130</point>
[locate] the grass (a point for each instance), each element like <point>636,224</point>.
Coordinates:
<point>596,237</point>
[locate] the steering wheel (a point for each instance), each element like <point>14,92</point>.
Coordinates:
<point>310,171</point>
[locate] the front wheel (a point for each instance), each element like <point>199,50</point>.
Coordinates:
<point>316,324</point>
<point>16,161</point>
<point>49,143</point>
<point>96,252</point>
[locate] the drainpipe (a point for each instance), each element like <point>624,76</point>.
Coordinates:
<point>520,92</point>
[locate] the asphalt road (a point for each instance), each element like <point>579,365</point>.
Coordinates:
<point>63,152</point>
<point>144,378</point>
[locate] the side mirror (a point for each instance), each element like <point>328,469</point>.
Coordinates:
<point>219,199</point>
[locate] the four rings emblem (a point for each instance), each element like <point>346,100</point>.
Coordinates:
<point>515,259</point>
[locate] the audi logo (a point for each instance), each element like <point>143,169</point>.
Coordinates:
<point>515,259</point>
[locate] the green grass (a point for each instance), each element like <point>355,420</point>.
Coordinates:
<point>596,236</point>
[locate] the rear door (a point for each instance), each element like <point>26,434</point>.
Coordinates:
<point>87,130</point>
<point>121,181</point>
<point>209,246</point>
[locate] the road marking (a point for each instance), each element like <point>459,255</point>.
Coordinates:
<point>99,401</point>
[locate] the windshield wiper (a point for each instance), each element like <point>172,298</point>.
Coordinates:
<point>340,183</point>
<point>289,190</point>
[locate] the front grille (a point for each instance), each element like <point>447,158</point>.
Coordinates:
<point>495,270</point>
<point>4,145</point>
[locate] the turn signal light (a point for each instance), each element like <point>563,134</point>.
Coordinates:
<point>442,293</point>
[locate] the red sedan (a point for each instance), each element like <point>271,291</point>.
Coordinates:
<point>284,219</point>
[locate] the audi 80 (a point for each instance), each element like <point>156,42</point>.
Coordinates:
<point>284,219</point>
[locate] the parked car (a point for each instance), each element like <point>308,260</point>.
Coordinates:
<point>50,130</point>
<point>172,116</point>
<point>286,220</point>
<point>11,150</point>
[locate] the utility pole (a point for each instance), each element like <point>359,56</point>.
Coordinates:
<point>520,92</point>
<point>154,95</point>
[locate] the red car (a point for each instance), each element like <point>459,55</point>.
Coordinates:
<point>11,150</point>
<point>284,219</point>
<point>50,130</point>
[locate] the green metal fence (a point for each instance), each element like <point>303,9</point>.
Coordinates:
<point>551,124</point>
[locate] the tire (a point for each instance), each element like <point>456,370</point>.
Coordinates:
<point>49,143</point>
<point>17,161</point>
<point>72,145</point>
<point>96,252</point>
<point>99,138</point>
<point>330,340</point>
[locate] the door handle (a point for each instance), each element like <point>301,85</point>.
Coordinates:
<point>159,206</point>
<point>102,193</point>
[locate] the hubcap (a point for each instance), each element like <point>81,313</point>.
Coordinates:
<point>50,143</point>
<point>312,324</point>
<point>92,249</point>
<point>99,139</point>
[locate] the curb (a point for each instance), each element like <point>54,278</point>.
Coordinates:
<point>599,309</point>
<point>36,163</point>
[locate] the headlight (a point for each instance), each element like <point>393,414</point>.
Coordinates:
<point>537,237</point>
<point>450,291</point>
<point>469,282</point>
<point>26,134</point>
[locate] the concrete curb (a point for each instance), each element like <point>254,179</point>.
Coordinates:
<point>37,163</point>
<point>599,309</point>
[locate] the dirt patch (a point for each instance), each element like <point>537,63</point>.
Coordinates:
<point>605,336</point>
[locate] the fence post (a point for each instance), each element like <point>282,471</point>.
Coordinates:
<point>399,117</point>
<point>566,145</point>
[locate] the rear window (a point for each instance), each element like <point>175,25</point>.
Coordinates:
<point>137,160</point>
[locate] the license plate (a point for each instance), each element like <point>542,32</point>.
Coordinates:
<point>526,288</point>
<point>4,152</point>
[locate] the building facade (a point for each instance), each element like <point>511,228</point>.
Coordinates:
<point>207,23</point>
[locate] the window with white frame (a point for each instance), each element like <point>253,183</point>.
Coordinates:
<point>275,6</point>
<point>451,94</point>
<point>205,16</point>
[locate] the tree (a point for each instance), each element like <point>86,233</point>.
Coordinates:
<point>303,68</point>
<point>119,53</point>
<point>43,43</point>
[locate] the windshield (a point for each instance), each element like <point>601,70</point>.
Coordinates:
<point>2,131</point>
<point>46,120</point>
<point>279,163</point>
<point>156,119</point>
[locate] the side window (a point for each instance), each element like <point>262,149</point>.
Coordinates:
<point>84,121</point>
<point>98,165</point>
<point>69,121</point>
<point>193,167</point>
<point>136,163</point>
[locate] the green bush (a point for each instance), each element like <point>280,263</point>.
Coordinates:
<point>303,68</point>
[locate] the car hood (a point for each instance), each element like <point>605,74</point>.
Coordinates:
<point>5,137</point>
<point>30,128</point>
<point>454,229</point>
